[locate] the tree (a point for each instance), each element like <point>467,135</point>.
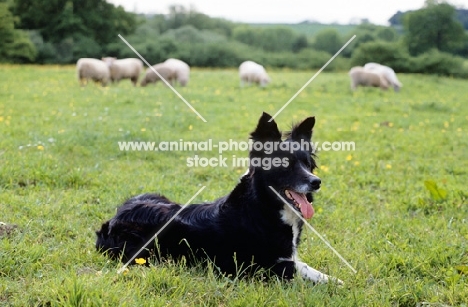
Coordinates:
<point>15,45</point>
<point>73,28</point>
<point>433,27</point>
<point>180,16</point>
<point>300,43</point>
<point>387,34</point>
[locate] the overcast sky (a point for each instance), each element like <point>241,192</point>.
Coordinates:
<point>287,11</point>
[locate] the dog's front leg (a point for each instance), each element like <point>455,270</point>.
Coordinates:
<point>313,275</point>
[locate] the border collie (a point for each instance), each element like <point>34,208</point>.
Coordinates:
<point>249,230</point>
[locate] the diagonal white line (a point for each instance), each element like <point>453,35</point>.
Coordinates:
<point>164,80</point>
<point>313,77</point>
<point>315,231</point>
<point>159,231</point>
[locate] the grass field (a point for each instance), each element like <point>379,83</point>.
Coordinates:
<point>395,208</point>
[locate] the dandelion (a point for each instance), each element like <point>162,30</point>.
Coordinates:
<point>125,271</point>
<point>390,124</point>
<point>143,129</point>
<point>446,124</point>
<point>1,118</point>
<point>349,157</point>
<point>324,168</point>
<point>140,261</point>
<point>459,130</point>
<point>40,147</point>
<point>356,163</point>
<point>388,166</point>
<point>190,127</point>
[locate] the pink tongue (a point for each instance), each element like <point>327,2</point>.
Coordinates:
<point>306,208</point>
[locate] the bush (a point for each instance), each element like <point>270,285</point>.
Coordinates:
<point>440,63</point>
<point>306,59</point>
<point>395,56</point>
<point>229,54</point>
<point>190,35</point>
<point>390,54</point>
<point>270,39</point>
<point>86,47</point>
<point>328,40</point>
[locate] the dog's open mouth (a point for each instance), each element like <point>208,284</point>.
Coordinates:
<point>300,201</point>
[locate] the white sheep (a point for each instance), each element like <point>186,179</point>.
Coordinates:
<point>181,70</point>
<point>387,72</point>
<point>164,70</point>
<point>130,68</point>
<point>94,69</point>
<point>251,72</point>
<point>361,77</point>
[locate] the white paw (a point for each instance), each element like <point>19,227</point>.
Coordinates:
<point>313,275</point>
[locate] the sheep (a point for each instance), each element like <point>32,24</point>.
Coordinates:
<point>164,71</point>
<point>387,72</point>
<point>130,68</point>
<point>252,72</point>
<point>360,76</point>
<point>94,69</point>
<point>181,70</point>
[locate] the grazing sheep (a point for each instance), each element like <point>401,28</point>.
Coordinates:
<point>130,68</point>
<point>163,69</point>
<point>387,72</point>
<point>181,70</point>
<point>94,69</point>
<point>252,72</point>
<point>361,77</point>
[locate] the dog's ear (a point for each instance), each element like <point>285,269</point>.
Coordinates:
<point>303,131</point>
<point>266,130</point>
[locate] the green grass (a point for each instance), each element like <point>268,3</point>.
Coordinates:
<point>62,175</point>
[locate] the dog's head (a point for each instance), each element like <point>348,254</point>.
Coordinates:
<point>285,164</point>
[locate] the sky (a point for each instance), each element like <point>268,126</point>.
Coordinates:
<point>289,11</point>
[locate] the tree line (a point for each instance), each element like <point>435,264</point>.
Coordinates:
<point>431,39</point>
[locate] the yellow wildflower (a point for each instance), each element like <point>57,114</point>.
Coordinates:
<point>140,261</point>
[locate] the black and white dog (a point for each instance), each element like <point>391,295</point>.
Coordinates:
<point>249,229</point>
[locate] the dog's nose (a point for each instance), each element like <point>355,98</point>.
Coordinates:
<point>315,182</point>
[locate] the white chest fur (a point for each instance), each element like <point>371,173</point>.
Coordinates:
<point>290,218</point>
